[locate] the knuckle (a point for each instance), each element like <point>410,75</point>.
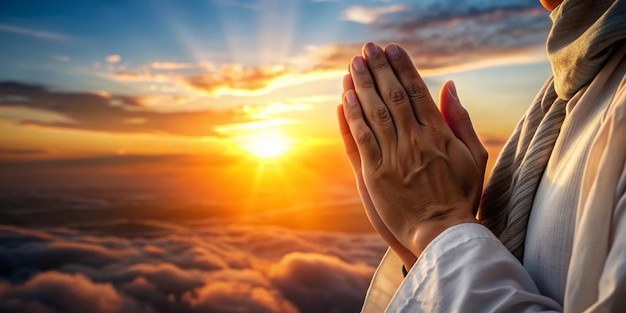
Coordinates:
<point>463,115</point>
<point>377,66</point>
<point>435,133</point>
<point>405,68</point>
<point>397,96</point>
<point>417,90</point>
<point>415,139</point>
<point>365,83</point>
<point>364,138</point>
<point>381,114</point>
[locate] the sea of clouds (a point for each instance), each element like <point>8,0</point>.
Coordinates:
<point>206,268</point>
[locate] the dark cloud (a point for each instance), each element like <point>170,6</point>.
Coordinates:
<point>118,114</point>
<point>440,35</point>
<point>432,12</point>
<point>189,269</point>
<point>23,152</point>
<point>321,283</point>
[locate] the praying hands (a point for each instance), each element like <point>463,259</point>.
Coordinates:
<point>419,170</point>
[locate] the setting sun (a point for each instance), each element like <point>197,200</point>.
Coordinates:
<point>267,144</point>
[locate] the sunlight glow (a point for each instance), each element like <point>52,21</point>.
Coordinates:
<point>267,144</point>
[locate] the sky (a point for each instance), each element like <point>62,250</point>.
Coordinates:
<point>142,142</point>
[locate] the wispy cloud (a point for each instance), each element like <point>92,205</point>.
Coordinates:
<point>236,77</point>
<point>444,36</point>
<point>36,33</point>
<point>113,58</point>
<point>227,79</point>
<point>367,15</point>
<point>61,58</point>
<point>24,152</point>
<point>112,113</point>
<point>171,65</point>
<point>106,112</point>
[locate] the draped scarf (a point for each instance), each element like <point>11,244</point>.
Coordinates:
<point>584,36</point>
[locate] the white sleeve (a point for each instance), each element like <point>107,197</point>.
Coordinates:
<point>467,269</point>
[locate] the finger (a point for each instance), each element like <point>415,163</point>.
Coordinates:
<point>362,134</point>
<point>389,88</point>
<point>348,142</point>
<point>459,121</point>
<point>373,109</point>
<point>347,82</point>
<point>424,107</point>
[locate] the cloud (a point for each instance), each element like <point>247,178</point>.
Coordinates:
<point>171,65</point>
<point>110,113</point>
<point>144,77</point>
<point>444,35</point>
<point>36,33</point>
<point>24,152</point>
<point>61,58</point>
<point>60,292</point>
<point>321,283</point>
<point>237,78</point>
<point>238,291</point>
<point>113,58</point>
<point>227,79</point>
<point>259,269</point>
<point>367,15</point>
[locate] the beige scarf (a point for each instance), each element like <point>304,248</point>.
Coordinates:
<point>584,36</point>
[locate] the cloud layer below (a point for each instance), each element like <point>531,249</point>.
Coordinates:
<point>216,269</point>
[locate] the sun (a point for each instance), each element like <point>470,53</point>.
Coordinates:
<point>266,144</point>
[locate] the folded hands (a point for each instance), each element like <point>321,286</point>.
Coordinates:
<point>419,170</point>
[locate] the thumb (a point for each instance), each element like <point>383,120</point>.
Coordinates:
<point>459,121</point>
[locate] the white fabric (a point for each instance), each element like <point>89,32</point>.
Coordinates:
<point>551,224</point>
<point>466,269</point>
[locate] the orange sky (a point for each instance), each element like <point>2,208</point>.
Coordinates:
<point>271,92</point>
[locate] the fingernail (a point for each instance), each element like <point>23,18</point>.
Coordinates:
<point>393,51</point>
<point>452,90</point>
<point>351,96</point>
<point>371,49</point>
<point>358,64</point>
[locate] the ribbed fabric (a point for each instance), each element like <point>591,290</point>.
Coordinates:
<point>517,195</point>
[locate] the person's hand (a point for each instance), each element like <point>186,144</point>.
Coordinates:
<point>352,152</point>
<point>422,170</point>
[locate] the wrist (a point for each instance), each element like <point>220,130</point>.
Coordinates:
<point>423,233</point>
